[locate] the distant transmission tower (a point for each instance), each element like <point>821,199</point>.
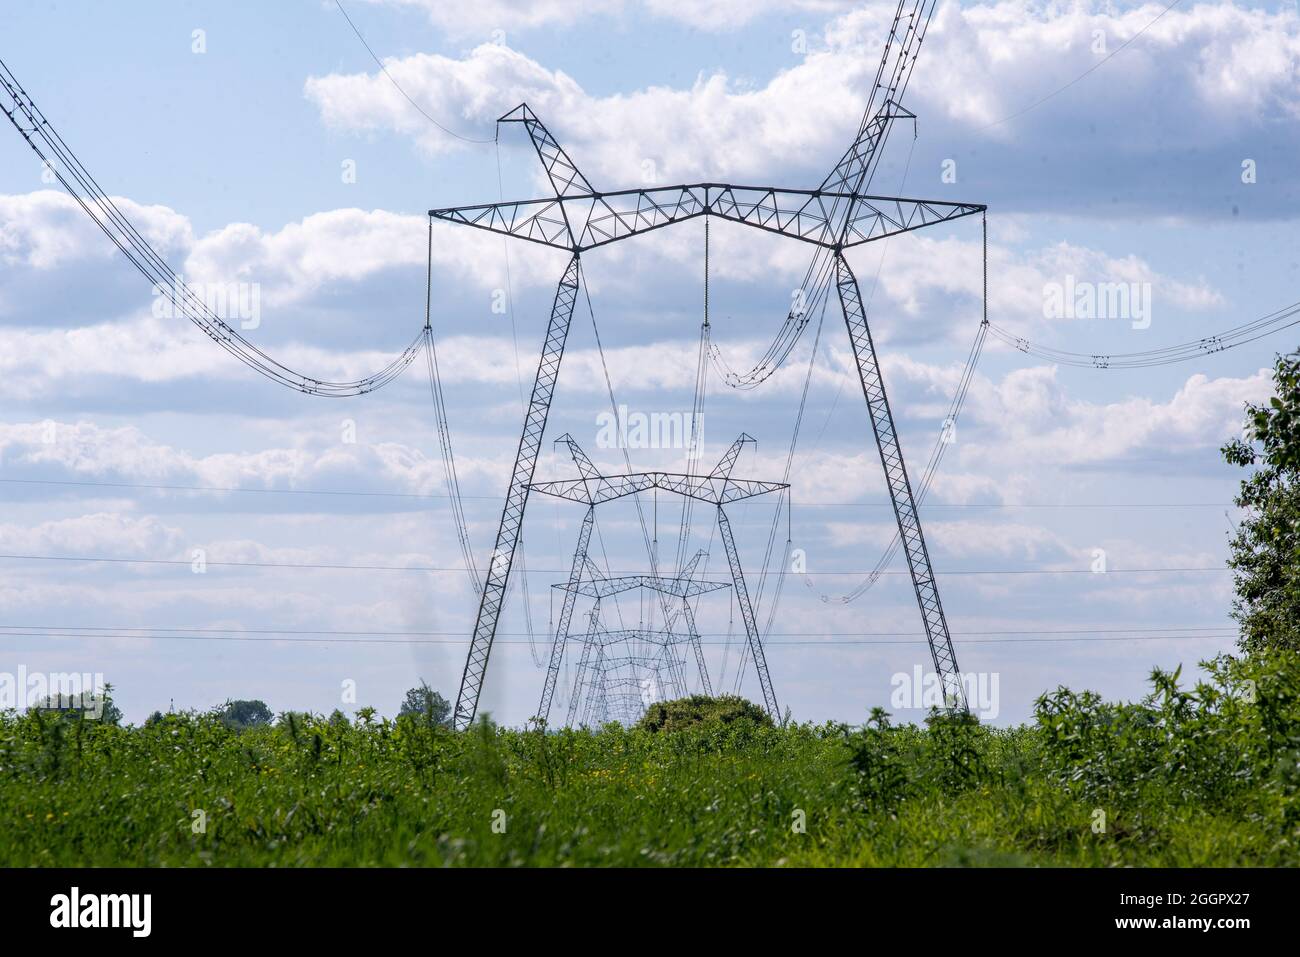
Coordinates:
<point>592,488</point>
<point>648,668</point>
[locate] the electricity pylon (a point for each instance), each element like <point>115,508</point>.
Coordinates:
<point>836,216</point>
<point>717,488</point>
<point>599,586</point>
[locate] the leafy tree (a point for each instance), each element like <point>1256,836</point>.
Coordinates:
<point>241,715</point>
<point>426,706</point>
<point>88,705</point>
<point>1266,546</point>
<point>701,709</point>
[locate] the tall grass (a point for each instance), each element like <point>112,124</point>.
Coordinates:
<point>1205,775</point>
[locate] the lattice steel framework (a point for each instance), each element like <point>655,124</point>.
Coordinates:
<point>836,216</point>
<point>512,517</point>
<point>717,488</point>
<point>598,586</point>
<point>642,666</point>
<point>900,487</point>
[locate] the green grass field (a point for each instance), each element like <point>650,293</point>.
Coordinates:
<point>1194,776</point>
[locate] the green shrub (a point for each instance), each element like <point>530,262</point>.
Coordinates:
<point>700,709</point>
<point>1236,734</point>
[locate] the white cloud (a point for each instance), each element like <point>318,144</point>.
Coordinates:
<point>1222,75</point>
<point>1239,63</point>
<point>100,535</point>
<point>1040,422</point>
<point>47,228</point>
<point>84,450</point>
<point>1007,539</point>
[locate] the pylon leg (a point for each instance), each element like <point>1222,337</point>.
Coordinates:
<point>512,516</point>
<point>596,706</point>
<point>747,613</point>
<point>705,684</point>
<point>676,671</point>
<point>580,679</point>
<point>900,488</point>
<point>566,614</point>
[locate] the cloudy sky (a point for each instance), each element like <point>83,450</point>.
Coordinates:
<point>1113,143</point>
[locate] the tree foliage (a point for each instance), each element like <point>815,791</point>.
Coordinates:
<point>426,706</point>
<point>241,715</point>
<point>91,706</point>
<point>1266,546</point>
<point>702,709</point>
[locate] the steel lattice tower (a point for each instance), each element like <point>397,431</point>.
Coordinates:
<point>836,216</point>
<point>598,586</point>
<point>717,488</point>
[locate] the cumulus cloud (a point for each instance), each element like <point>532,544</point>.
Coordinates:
<point>1222,74</point>
<point>45,235</point>
<point>84,450</point>
<point>48,228</point>
<point>1039,421</point>
<point>101,534</point>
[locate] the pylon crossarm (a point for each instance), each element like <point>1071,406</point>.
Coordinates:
<point>868,222</point>
<point>900,488</point>
<point>853,166</point>
<point>677,587</point>
<point>512,516</point>
<point>566,179</point>
<point>586,221</point>
<point>689,570</point>
<point>704,488</point>
<point>580,458</point>
<point>653,636</point>
<point>728,461</point>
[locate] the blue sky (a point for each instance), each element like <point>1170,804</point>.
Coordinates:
<point>232,161</point>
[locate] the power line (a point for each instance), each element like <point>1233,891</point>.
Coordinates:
<point>326,566</point>
<point>1096,66</point>
<point>145,486</point>
<point>704,634</point>
<point>1283,318</point>
<point>841,639</point>
<point>398,86</point>
<point>450,475</point>
<point>59,158</point>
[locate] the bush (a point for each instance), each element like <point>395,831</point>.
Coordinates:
<point>242,715</point>
<point>425,706</point>
<point>892,764</point>
<point>1226,738</point>
<point>702,710</point>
